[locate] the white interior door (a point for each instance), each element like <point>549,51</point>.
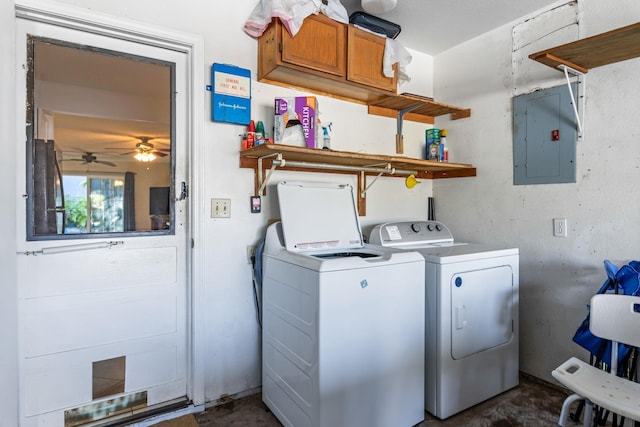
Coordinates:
<point>89,304</point>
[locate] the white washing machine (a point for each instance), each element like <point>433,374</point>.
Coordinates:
<point>471,342</point>
<point>343,336</point>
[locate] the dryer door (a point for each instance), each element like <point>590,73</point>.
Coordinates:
<point>481,310</point>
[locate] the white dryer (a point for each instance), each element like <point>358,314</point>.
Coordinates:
<point>471,342</point>
<point>342,321</point>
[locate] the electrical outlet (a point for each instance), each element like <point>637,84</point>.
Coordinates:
<point>220,208</point>
<point>251,252</point>
<point>560,227</point>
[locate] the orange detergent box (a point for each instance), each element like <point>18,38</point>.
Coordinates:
<point>295,121</point>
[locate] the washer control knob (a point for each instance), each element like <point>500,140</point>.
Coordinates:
<point>416,228</point>
<point>438,227</point>
<point>430,227</point>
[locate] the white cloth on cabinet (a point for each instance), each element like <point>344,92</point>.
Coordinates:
<point>291,13</point>
<point>395,52</point>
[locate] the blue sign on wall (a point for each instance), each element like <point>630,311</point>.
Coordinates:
<point>231,94</point>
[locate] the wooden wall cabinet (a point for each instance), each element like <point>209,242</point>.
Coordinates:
<point>319,46</point>
<point>326,57</point>
<point>365,55</point>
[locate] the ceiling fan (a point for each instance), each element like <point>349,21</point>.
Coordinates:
<point>145,151</point>
<point>90,158</point>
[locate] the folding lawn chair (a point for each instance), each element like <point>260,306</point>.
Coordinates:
<point>614,317</point>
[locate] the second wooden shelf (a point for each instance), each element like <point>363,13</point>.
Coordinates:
<point>424,110</point>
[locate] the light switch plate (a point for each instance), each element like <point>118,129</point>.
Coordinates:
<point>220,208</point>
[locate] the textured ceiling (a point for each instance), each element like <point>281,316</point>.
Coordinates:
<point>433,26</point>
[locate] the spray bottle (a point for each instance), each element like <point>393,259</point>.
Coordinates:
<point>444,150</point>
<point>326,138</point>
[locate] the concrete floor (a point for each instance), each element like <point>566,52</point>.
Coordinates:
<point>531,404</point>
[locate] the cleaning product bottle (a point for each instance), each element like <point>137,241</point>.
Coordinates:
<point>251,134</point>
<point>433,150</point>
<point>432,140</point>
<point>443,149</point>
<point>326,138</point>
<point>259,136</point>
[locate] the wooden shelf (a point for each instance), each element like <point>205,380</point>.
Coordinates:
<point>261,159</point>
<point>602,49</point>
<point>425,110</point>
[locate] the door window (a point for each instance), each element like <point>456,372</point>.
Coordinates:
<point>99,142</point>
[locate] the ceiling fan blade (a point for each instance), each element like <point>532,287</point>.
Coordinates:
<point>159,154</point>
<point>130,152</point>
<point>77,149</point>
<point>102,162</point>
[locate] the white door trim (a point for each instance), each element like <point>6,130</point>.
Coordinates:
<point>193,46</point>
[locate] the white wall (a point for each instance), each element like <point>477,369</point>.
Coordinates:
<point>232,335</point>
<point>557,275</point>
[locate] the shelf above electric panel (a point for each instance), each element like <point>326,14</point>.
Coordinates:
<point>603,49</point>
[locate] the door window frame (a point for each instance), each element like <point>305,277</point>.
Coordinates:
<point>31,125</point>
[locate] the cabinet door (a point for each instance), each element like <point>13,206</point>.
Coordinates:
<point>319,45</point>
<point>365,56</point>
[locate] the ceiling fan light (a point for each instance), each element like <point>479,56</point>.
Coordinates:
<point>144,157</point>
<point>378,6</point>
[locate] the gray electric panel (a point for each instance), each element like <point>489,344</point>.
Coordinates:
<point>544,137</point>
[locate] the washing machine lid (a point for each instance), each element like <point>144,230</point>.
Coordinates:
<point>318,216</point>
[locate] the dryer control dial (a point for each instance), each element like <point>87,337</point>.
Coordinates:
<point>415,227</point>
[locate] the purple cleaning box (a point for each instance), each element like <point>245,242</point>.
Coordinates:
<point>295,121</point>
